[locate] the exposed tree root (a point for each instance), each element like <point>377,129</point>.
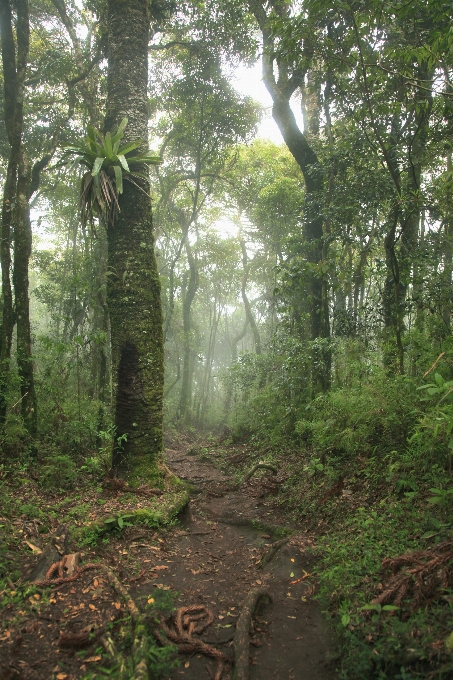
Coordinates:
<point>271,552</point>
<point>48,582</point>
<point>418,575</point>
<point>110,647</point>
<point>241,639</point>
<point>255,468</point>
<point>139,645</point>
<point>52,553</point>
<point>180,631</point>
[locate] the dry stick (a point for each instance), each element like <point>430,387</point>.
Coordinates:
<point>259,466</point>
<point>271,552</point>
<point>241,638</point>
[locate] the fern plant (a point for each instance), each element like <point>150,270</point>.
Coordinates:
<point>108,165</point>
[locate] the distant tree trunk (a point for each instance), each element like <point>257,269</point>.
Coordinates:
<point>133,292</point>
<point>410,236</point>
<point>393,297</point>
<point>248,310</point>
<point>281,86</point>
<point>184,412</point>
<point>234,356</point>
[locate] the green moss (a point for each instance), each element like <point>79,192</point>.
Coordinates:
<point>160,512</point>
<point>145,471</point>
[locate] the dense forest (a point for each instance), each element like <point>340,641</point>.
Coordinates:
<point>279,311</point>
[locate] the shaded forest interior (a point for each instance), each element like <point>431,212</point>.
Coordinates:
<point>171,277</point>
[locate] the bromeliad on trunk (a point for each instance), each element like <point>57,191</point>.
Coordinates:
<point>108,164</point>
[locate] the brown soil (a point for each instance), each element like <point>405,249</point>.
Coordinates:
<point>212,558</point>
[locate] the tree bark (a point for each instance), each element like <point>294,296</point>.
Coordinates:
<point>133,292</point>
<point>14,69</point>
<point>22,252</point>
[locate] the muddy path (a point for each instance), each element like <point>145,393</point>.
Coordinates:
<point>214,560</point>
<point>210,557</point>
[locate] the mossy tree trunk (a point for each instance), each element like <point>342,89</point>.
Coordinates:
<point>14,62</point>
<point>22,252</point>
<point>133,283</point>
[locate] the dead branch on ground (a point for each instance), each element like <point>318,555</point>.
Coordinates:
<point>241,639</point>
<point>259,466</point>
<point>271,552</point>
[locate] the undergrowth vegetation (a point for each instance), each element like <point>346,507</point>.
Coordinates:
<point>369,465</point>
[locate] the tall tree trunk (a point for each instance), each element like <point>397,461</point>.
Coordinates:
<point>448,250</point>
<point>133,287</point>
<point>14,71</point>
<point>22,252</point>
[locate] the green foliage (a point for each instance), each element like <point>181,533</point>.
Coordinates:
<point>118,523</point>
<point>108,163</point>
<point>58,471</point>
<point>354,421</point>
<point>379,641</point>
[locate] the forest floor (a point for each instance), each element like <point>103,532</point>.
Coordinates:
<point>210,558</point>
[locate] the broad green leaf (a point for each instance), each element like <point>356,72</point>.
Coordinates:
<point>122,126</point>
<point>123,161</point>
<point>120,522</point>
<point>345,619</point>
<point>119,134</point>
<point>118,178</point>
<point>108,145</point>
<point>97,166</point>
<point>129,147</point>
<point>149,160</point>
<point>389,608</point>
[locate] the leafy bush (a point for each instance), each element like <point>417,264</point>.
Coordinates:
<point>58,471</point>
<point>356,420</point>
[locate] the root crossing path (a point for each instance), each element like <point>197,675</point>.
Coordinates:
<point>216,558</point>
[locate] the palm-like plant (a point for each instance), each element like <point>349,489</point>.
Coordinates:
<point>107,166</point>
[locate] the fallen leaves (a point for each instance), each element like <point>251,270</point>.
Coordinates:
<point>34,548</point>
<point>93,659</point>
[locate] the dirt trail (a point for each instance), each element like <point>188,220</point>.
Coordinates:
<point>213,560</point>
